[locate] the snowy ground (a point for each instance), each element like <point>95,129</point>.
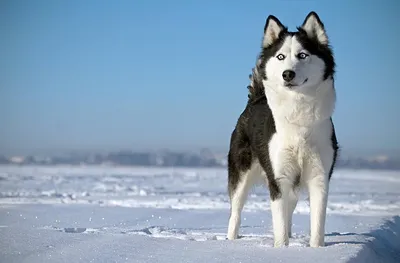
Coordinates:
<point>105,214</point>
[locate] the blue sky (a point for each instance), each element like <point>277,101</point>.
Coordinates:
<point>104,75</point>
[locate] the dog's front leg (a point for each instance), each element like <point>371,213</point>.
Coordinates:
<point>317,178</point>
<point>318,188</point>
<point>280,213</point>
<point>281,183</point>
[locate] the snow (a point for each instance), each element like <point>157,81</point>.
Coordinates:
<point>142,214</point>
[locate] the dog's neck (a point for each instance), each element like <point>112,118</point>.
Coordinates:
<point>306,108</point>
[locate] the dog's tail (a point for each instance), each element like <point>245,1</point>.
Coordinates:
<point>256,87</point>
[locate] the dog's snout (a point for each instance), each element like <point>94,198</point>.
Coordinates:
<point>288,75</point>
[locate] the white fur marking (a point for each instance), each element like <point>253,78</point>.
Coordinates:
<point>280,215</point>
<point>318,190</point>
<point>286,169</point>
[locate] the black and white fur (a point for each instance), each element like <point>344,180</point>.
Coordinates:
<point>285,135</point>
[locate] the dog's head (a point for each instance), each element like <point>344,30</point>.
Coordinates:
<point>296,60</point>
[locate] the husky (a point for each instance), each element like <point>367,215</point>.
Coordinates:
<point>285,136</point>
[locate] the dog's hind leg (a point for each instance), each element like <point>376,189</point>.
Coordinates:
<point>238,196</point>
<point>239,179</point>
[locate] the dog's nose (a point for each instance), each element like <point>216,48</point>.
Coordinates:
<point>288,75</point>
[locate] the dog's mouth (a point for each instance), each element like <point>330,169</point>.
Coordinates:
<point>292,85</point>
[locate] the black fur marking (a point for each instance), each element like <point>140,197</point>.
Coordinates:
<point>324,52</point>
<point>249,142</point>
<point>256,89</point>
<point>239,156</point>
<point>335,147</point>
<point>296,182</point>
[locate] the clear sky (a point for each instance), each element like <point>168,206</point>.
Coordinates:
<point>105,75</point>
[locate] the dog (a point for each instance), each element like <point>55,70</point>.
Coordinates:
<point>285,136</point>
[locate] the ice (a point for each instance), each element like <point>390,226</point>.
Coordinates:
<point>145,214</point>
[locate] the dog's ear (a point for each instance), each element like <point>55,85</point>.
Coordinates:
<point>315,28</point>
<point>273,27</point>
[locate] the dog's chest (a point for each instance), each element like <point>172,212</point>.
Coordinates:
<point>295,146</point>
<point>293,112</point>
<point>299,129</point>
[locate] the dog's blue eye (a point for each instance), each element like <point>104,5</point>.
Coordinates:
<point>280,57</point>
<point>302,55</point>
